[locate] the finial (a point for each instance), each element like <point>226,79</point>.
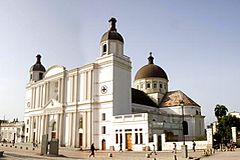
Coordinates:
<point>150,58</point>
<point>38,59</point>
<point>112,22</point>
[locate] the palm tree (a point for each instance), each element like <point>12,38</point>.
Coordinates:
<point>220,111</point>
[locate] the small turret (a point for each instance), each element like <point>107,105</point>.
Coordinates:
<point>112,41</point>
<point>37,70</point>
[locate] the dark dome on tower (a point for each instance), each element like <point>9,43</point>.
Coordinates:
<point>38,65</point>
<point>151,70</point>
<point>112,34</point>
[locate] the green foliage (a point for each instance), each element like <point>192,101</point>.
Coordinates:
<point>220,111</point>
<point>225,124</point>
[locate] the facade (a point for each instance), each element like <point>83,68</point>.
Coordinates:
<point>96,104</point>
<point>12,131</point>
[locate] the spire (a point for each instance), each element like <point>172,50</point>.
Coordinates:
<point>38,59</point>
<point>112,22</point>
<point>150,58</point>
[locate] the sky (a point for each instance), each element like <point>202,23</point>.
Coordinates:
<point>197,43</point>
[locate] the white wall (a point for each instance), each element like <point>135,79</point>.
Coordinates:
<point>168,146</point>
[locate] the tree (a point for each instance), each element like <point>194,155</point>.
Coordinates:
<point>225,124</point>
<point>220,111</point>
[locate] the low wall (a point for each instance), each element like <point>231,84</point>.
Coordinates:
<point>168,146</point>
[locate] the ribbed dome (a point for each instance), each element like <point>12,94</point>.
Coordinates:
<point>112,34</point>
<point>151,70</point>
<point>38,66</point>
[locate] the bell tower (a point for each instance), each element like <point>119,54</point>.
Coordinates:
<point>112,41</point>
<point>114,73</point>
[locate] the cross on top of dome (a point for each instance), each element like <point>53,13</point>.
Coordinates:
<point>112,22</point>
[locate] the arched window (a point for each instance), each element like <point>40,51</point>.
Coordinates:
<point>54,126</point>
<point>104,48</point>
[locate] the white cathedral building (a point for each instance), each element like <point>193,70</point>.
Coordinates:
<point>96,103</point>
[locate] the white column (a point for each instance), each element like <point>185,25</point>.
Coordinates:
<point>30,129</point>
<point>35,97</point>
<point>32,99</point>
<point>62,90</point>
<point>42,128</point>
<point>60,128</point>
<point>41,101</point>
<point>48,90</point>
<point>70,130</point>
<point>43,94</point>
<point>89,128</point>
<point>209,137</point>
<point>57,127</point>
<point>37,129</point>
<point>59,90</point>
<point>46,123</point>
<point>234,134</point>
<point>155,140</point>
<point>74,130</point>
<point>84,117</point>
<point>39,96</point>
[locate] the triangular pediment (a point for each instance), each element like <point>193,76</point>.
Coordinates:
<point>53,106</point>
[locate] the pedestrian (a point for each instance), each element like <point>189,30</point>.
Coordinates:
<point>193,146</point>
<point>92,151</point>
<point>153,150</point>
<point>174,148</point>
<point>120,148</point>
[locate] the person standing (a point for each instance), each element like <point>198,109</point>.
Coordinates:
<point>153,150</point>
<point>174,148</point>
<point>193,146</point>
<point>92,151</point>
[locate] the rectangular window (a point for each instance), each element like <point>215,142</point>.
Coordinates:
<point>27,130</point>
<point>160,85</point>
<point>136,138</point>
<point>40,75</point>
<point>148,85</point>
<point>120,138</point>
<point>103,129</point>
<point>81,122</point>
<point>28,121</point>
<point>103,116</point>
<point>116,138</point>
<point>154,85</point>
<point>141,138</point>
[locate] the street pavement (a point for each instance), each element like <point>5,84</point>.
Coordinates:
<point>20,154</point>
<point>227,155</point>
<point>23,154</point>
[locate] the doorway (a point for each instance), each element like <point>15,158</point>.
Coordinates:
<point>128,137</point>
<point>103,144</point>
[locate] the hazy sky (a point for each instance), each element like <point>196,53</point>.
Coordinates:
<point>196,42</point>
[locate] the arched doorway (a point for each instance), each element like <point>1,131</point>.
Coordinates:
<point>103,144</point>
